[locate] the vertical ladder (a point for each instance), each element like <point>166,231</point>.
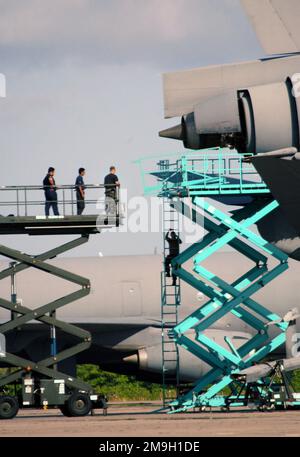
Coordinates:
<point>170,300</point>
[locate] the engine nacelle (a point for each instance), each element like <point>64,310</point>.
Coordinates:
<point>254,120</point>
<point>191,367</point>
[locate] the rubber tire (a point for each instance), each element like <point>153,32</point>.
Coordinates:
<point>64,410</point>
<point>9,407</point>
<point>78,405</point>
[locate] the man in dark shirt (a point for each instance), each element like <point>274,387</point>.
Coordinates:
<point>174,242</point>
<point>111,183</point>
<point>80,191</point>
<point>50,192</point>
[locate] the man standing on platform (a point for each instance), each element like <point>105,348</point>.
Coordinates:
<point>80,191</point>
<point>111,183</point>
<point>50,192</point>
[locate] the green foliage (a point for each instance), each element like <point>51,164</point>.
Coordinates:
<point>296,380</point>
<point>9,390</point>
<point>117,386</point>
<point>122,387</point>
<point>114,386</point>
<point>126,388</point>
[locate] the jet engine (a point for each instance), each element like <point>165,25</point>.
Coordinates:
<point>263,120</point>
<point>255,119</point>
<point>149,359</point>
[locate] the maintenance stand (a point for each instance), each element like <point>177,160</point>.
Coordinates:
<point>39,384</point>
<point>185,183</point>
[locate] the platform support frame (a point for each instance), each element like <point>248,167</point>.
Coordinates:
<point>227,298</point>
<point>46,314</point>
<point>221,174</point>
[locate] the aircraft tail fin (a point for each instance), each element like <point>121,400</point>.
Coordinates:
<point>276,24</point>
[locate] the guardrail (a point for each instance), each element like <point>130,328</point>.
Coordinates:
<point>208,172</point>
<point>30,200</point>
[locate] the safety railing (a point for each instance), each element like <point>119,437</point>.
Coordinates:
<point>31,200</point>
<point>209,172</point>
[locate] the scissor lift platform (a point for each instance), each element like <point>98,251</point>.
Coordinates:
<point>41,383</point>
<point>61,225</point>
<point>227,177</point>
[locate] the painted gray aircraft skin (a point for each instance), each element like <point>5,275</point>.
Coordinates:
<point>253,107</point>
<point>123,311</point>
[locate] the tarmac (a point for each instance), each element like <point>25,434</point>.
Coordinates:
<point>141,420</point>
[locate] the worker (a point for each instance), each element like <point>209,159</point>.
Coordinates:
<point>174,242</point>
<point>80,191</point>
<point>111,184</point>
<point>50,192</point>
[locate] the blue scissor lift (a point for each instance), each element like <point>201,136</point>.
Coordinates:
<point>187,182</point>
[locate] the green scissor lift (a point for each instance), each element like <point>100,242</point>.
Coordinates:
<point>191,179</point>
<point>40,383</point>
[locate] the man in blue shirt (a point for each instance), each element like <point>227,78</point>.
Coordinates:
<point>50,192</point>
<point>80,191</point>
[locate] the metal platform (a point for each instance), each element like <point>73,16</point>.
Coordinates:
<point>24,206</point>
<point>213,172</point>
<point>61,225</point>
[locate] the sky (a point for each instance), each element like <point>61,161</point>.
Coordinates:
<point>84,89</point>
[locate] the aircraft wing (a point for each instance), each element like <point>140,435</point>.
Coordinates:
<point>276,23</point>
<point>183,90</point>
